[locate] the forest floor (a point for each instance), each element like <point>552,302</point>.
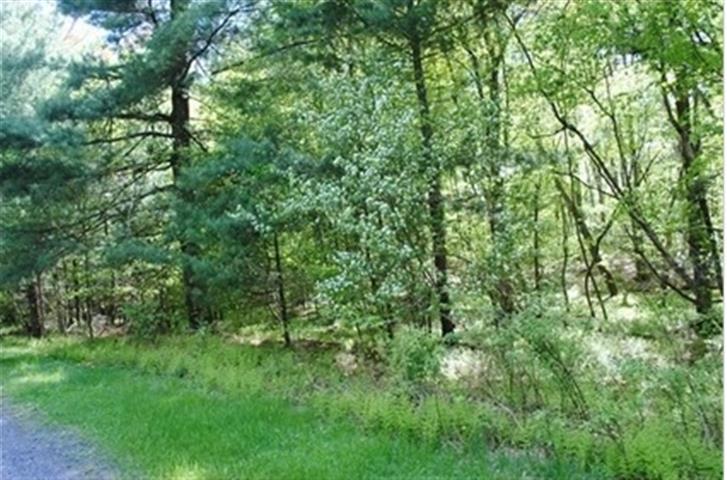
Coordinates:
<point>217,412</point>
<point>30,450</point>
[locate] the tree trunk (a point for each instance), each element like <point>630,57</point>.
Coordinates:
<point>502,295</point>
<point>566,255</point>
<point>282,305</point>
<point>592,248</point>
<point>76,293</point>
<point>87,300</point>
<point>35,318</point>
<point>536,237</point>
<point>60,311</point>
<point>505,292</point>
<point>41,299</point>
<point>179,120</point>
<point>434,197</point>
<point>111,307</point>
<point>698,234</point>
<point>637,240</point>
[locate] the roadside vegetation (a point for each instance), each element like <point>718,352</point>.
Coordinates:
<point>608,412</point>
<point>195,408</point>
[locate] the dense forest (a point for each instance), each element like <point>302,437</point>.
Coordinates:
<point>505,214</point>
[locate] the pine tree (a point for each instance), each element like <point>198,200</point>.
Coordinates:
<point>143,95</point>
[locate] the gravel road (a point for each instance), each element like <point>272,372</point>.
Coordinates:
<point>33,451</point>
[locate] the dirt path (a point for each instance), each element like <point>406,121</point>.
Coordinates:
<point>31,451</point>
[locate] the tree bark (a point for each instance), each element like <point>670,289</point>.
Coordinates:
<point>76,293</point>
<point>179,121</point>
<point>536,237</point>
<point>87,301</point>
<point>593,249</point>
<point>111,308</point>
<point>434,197</point>
<point>698,234</point>
<point>280,284</point>
<point>566,256</point>
<point>35,324</point>
<point>41,299</point>
<point>505,291</point>
<point>642,273</point>
<point>60,294</point>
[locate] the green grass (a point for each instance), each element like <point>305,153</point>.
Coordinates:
<point>178,411</point>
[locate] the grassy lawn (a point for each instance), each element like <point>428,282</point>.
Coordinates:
<point>170,420</point>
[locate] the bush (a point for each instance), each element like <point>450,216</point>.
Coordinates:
<point>414,357</point>
<point>8,311</point>
<point>147,322</point>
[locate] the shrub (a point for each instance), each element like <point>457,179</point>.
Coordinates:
<point>147,322</point>
<point>414,357</point>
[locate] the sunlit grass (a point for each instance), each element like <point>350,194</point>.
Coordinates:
<point>40,378</point>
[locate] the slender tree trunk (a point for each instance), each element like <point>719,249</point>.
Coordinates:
<point>536,237</point>
<point>637,239</point>
<point>597,197</point>
<point>280,284</point>
<point>716,259</point>
<point>113,308</point>
<point>572,203</point>
<point>698,234</point>
<point>180,120</point>
<point>76,293</point>
<point>503,292</point>
<point>87,300</point>
<point>60,311</point>
<point>593,250</point>
<point>67,295</point>
<point>566,255</point>
<point>389,322</point>
<point>35,324</point>
<point>41,299</point>
<point>586,288</point>
<point>642,269</point>
<point>111,299</point>
<point>434,200</point>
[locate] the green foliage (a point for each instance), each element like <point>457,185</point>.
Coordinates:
<point>415,356</point>
<point>9,314</point>
<point>147,322</point>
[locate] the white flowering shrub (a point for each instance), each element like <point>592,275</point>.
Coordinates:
<point>369,197</point>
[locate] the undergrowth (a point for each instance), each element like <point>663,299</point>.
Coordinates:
<point>193,409</point>
<point>538,391</point>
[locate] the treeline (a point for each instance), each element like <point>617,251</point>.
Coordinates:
<point>373,163</point>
